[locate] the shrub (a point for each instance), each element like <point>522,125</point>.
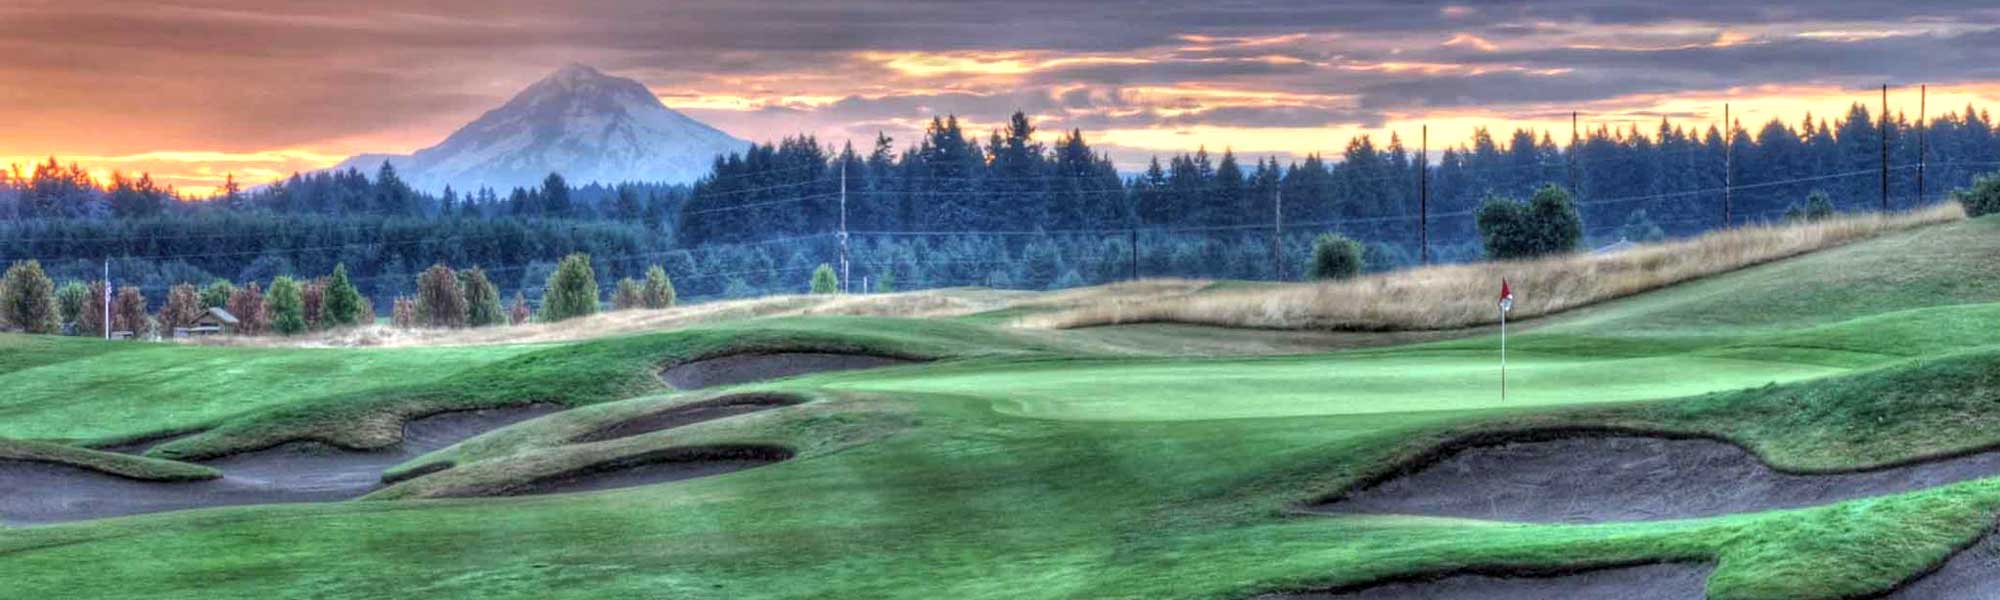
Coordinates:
<point>659,290</point>
<point>28,299</point>
<point>824,281</point>
<point>70,299</point>
<point>344,304</point>
<point>217,293</point>
<point>128,313</point>
<point>286,306</point>
<point>520,313</point>
<point>628,295</point>
<point>482,299</point>
<point>404,314</point>
<point>1818,208</point>
<point>183,307</point>
<point>571,290</point>
<point>90,320</point>
<point>1983,198</point>
<point>313,299</point>
<point>247,304</point>
<point>1548,224</point>
<point>887,283</point>
<point>440,300</point>
<point>1334,257</point>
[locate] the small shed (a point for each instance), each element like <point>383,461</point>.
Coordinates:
<point>216,320</point>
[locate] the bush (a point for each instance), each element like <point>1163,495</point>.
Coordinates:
<point>482,299</point>
<point>520,313</point>
<point>404,313</point>
<point>571,290</point>
<point>1983,198</point>
<point>659,290</point>
<point>1548,224</point>
<point>70,299</point>
<point>344,304</point>
<point>128,312</point>
<point>217,293</point>
<point>440,300</point>
<point>90,320</point>
<point>824,281</point>
<point>628,295</point>
<point>1818,208</point>
<point>247,304</point>
<point>28,299</point>
<point>887,283</point>
<point>183,307</point>
<point>1334,257</point>
<point>286,306</point>
<point>313,298</point>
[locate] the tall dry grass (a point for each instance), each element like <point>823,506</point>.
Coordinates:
<point>1456,296</point>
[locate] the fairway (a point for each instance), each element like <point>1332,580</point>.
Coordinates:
<point>963,458</point>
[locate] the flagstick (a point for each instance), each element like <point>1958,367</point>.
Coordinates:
<point>1503,355</point>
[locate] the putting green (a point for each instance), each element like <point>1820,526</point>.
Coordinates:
<point>1329,384</point>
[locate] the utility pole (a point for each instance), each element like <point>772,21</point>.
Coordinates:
<point>1728,163</point>
<point>1923,138</point>
<point>1134,233</point>
<point>1424,197</point>
<point>1278,231</point>
<point>107,298</point>
<point>1883,122</point>
<point>845,275</point>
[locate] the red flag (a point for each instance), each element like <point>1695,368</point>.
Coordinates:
<point>1505,291</point>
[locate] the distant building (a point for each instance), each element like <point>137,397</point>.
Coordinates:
<point>215,321</point>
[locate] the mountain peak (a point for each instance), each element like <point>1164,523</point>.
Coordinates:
<point>577,121</point>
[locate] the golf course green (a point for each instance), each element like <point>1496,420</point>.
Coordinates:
<point>1014,463</point>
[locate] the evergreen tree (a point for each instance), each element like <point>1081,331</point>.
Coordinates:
<point>628,295</point>
<point>28,299</point>
<point>482,299</point>
<point>571,290</point>
<point>824,281</point>
<point>1335,257</point>
<point>343,302</point>
<point>440,299</point>
<point>659,290</point>
<point>285,306</point>
<point>70,299</point>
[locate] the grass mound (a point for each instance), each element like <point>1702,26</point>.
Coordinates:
<point>136,468</point>
<point>1457,296</point>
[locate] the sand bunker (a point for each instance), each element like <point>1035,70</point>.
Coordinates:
<point>299,472</point>
<point>682,416</point>
<point>663,466</point>
<point>1600,478</point>
<point>745,368</point>
<point>1669,581</point>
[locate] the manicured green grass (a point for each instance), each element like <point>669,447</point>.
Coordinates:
<point>1037,465</point>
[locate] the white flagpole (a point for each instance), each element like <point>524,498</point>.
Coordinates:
<point>1503,355</point>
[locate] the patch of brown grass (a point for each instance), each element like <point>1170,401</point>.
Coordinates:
<point>1457,296</point>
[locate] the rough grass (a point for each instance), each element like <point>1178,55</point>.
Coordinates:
<point>1457,296</point>
<point>122,465</point>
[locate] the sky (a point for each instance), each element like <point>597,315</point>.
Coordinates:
<point>193,91</point>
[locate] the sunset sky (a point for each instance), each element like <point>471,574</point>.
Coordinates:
<point>191,91</point>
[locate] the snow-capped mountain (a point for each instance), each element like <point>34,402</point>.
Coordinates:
<point>586,125</point>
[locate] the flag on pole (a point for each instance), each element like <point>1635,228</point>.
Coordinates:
<point>1506,297</point>
<point>1506,304</point>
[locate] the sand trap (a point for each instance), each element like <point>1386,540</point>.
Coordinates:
<point>726,406</point>
<point>300,472</point>
<point>672,464</point>
<point>1971,574</point>
<point>745,368</point>
<point>1601,477</point>
<point>1669,581</point>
